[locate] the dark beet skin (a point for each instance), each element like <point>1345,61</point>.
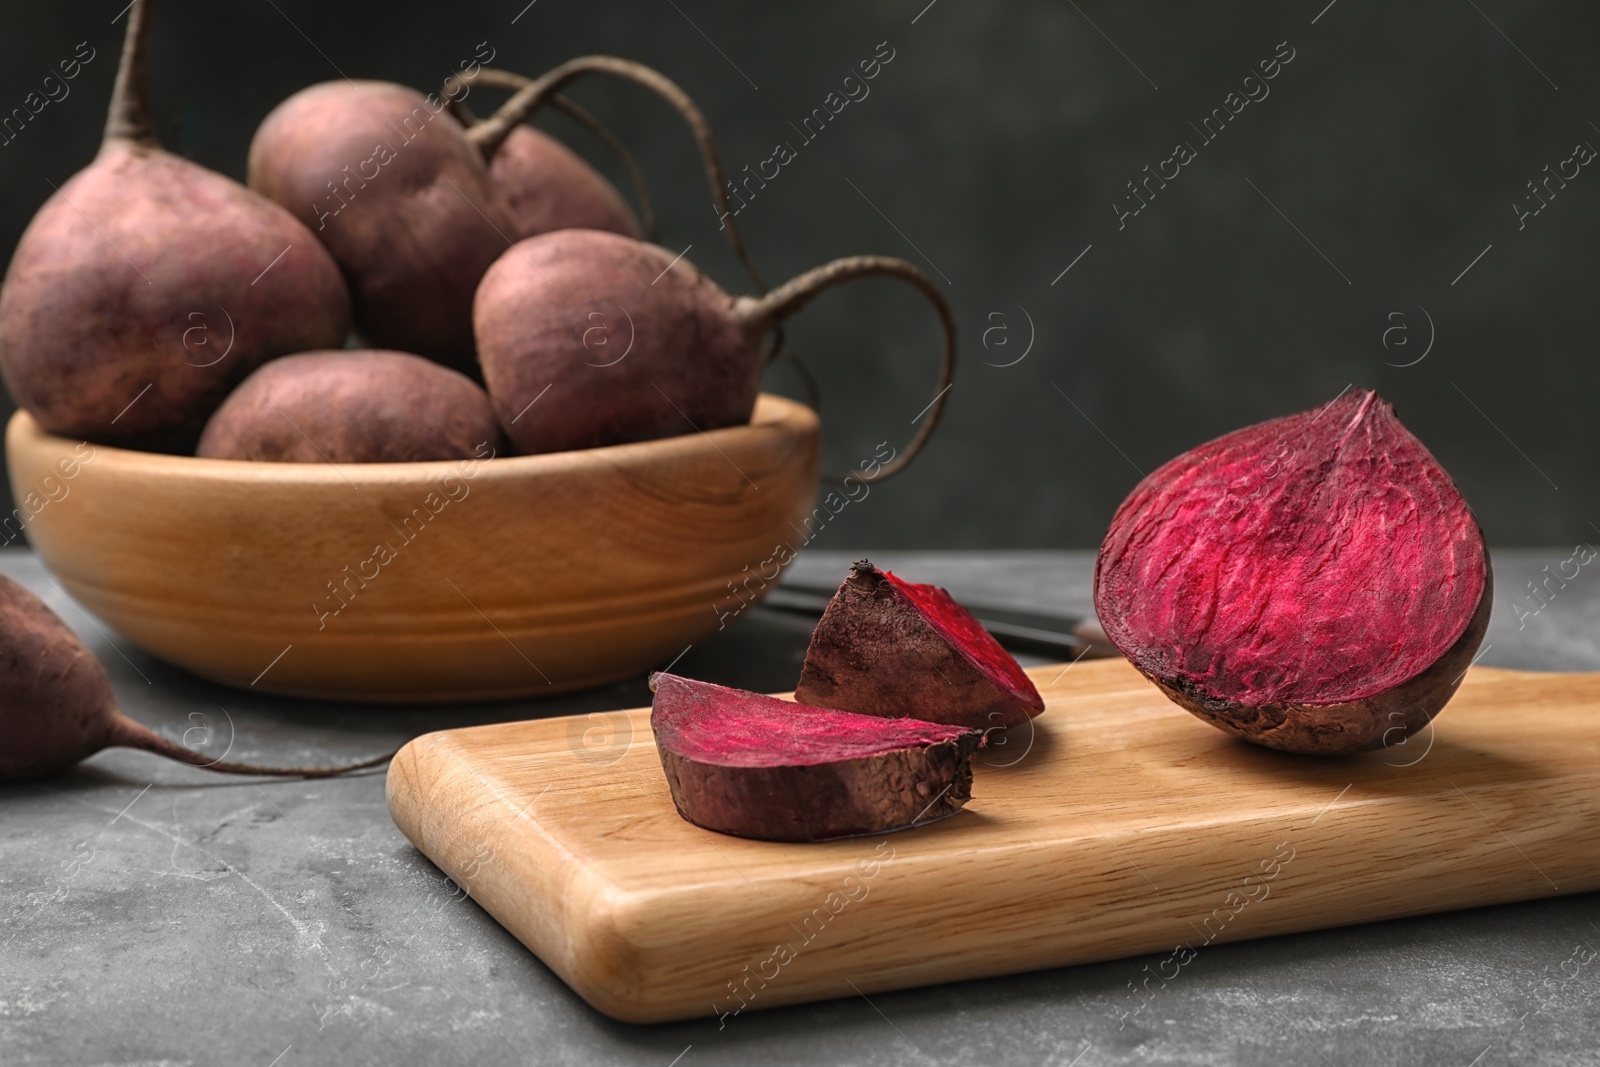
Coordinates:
<point>890,647</point>
<point>141,293</point>
<point>1314,583</point>
<point>352,407</point>
<point>632,343</point>
<point>1380,721</point>
<point>57,707</point>
<point>629,349</point>
<point>755,766</point>
<point>386,180</point>
<point>546,186</point>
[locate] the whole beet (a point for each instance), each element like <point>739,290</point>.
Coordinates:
<point>388,183</point>
<point>547,186</point>
<point>147,286</point>
<point>633,343</point>
<point>352,407</point>
<point>56,704</point>
<point>536,170</point>
<point>575,311</point>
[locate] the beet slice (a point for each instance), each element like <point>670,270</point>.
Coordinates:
<point>755,766</point>
<point>890,647</point>
<point>1314,583</point>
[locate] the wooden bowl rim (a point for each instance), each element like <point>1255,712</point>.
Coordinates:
<point>772,412</point>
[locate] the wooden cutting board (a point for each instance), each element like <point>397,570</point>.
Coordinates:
<point>1126,826</point>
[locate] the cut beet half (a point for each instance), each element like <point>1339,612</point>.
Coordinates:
<point>1315,583</point>
<point>891,647</point>
<point>755,766</point>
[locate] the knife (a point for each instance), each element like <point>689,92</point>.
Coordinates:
<point>1020,631</point>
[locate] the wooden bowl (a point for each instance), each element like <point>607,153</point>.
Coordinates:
<point>510,577</point>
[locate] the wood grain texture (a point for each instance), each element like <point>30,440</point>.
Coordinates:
<point>517,576</point>
<point>1128,826</point>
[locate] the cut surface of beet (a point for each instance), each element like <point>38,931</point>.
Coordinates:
<point>756,766</point>
<point>890,647</point>
<point>1322,560</point>
<point>963,631</point>
<point>740,729</point>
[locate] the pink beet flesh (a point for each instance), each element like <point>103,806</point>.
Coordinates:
<point>890,648</point>
<point>957,626</point>
<point>745,764</point>
<point>733,728</point>
<point>1316,559</point>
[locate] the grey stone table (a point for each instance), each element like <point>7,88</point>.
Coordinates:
<point>150,913</point>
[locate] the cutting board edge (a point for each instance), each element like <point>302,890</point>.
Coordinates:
<point>922,975</point>
<point>591,950</point>
<point>517,894</point>
<point>616,975</point>
<point>586,929</point>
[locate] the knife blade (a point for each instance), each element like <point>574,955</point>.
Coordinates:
<point>1020,631</point>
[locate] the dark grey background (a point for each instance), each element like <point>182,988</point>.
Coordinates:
<point>1386,158</point>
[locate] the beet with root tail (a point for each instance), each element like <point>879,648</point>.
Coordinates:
<point>57,708</point>
<point>148,286</point>
<point>632,343</point>
<point>544,184</point>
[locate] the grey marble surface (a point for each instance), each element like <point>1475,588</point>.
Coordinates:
<point>150,913</point>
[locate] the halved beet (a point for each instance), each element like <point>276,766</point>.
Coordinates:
<point>891,647</point>
<point>1314,583</point>
<point>755,766</point>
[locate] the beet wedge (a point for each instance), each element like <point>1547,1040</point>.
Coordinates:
<point>755,766</point>
<point>895,648</point>
<point>1315,583</point>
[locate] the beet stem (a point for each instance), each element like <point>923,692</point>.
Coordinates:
<point>129,116</point>
<point>489,133</point>
<point>130,734</point>
<point>505,79</point>
<point>766,312</point>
